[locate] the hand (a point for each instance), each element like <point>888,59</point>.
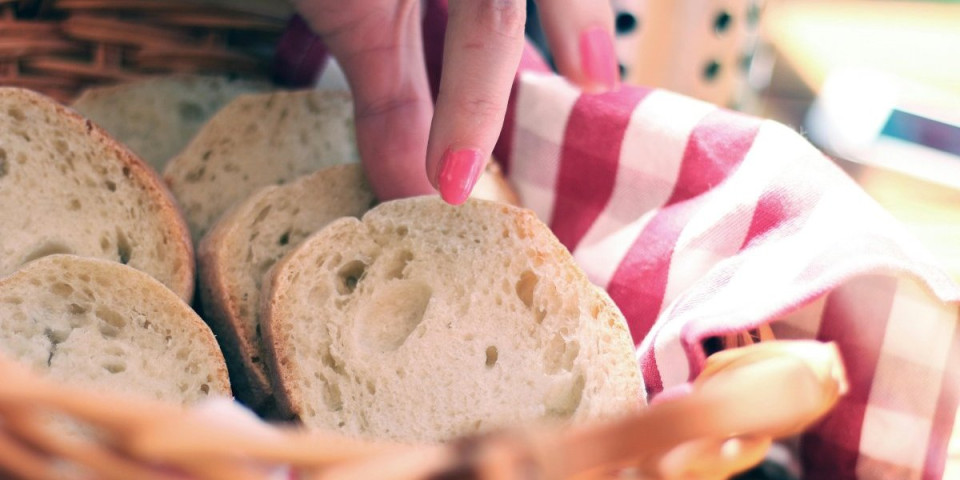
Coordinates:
<point>378,43</point>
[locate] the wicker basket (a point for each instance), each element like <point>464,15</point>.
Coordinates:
<point>745,398</point>
<point>59,47</point>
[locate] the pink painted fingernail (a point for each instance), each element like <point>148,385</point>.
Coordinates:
<point>459,171</point>
<point>598,59</point>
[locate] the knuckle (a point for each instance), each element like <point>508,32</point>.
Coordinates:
<point>503,17</point>
<point>383,106</point>
<point>480,107</point>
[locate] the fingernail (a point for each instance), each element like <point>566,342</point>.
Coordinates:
<point>598,59</point>
<point>459,171</point>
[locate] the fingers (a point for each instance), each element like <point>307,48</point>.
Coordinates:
<point>580,34</point>
<point>482,50</point>
<point>379,46</point>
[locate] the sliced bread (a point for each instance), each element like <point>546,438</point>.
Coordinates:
<point>424,322</point>
<point>67,187</point>
<point>103,325</point>
<point>259,140</point>
<point>157,117</point>
<point>247,241</point>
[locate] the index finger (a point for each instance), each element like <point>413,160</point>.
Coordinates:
<point>482,50</point>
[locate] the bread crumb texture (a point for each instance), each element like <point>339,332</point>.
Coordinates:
<point>101,325</point>
<point>258,140</point>
<point>65,187</point>
<point>157,117</point>
<point>425,321</point>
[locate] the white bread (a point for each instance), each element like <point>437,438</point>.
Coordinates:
<point>424,322</point>
<point>247,241</point>
<point>158,116</point>
<point>259,140</point>
<point>106,326</point>
<point>67,187</point>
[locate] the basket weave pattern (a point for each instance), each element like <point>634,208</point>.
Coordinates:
<point>59,47</point>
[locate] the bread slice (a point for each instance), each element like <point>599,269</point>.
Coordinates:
<point>424,322</point>
<point>247,241</point>
<point>67,187</point>
<point>259,140</point>
<point>102,325</point>
<point>157,117</point>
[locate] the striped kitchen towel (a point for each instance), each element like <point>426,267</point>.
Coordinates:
<point>701,222</point>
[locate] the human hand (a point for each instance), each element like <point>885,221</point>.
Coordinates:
<point>379,45</point>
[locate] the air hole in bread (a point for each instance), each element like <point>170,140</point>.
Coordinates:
<point>61,146</point>
<point>284,239</point>
<point>393,313</point>
<point>541,314</point>
<point>560,354</point>
<point>74,205</point>
<point>111,185</point>
<point>16,114</point>
<point>191,112</point>
<point>13,300</point>
<point>565,397</point>
<point>56,337</point>
<point>262,215</point>
<point>492,355</point>
<point>332,363</point>
<point>205,389</point>
<point>115,366</point>
<point>61,289</point>
<point>331,396</point>
<point>526,284</point>
<point>196,174</point>
<point>123,247</point>
<point>399,264</point>
<point>48,248</point>
<point>126,172</point>
<point>3,163</point>
<point>77,309</point>
<point>349,276</point>
<point>111,322</point>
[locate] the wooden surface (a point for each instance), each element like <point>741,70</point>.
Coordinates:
<point>915,40</point>
<point>918,41</point>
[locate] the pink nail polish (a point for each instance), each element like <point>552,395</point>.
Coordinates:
<point>598,59</point>
<point>458,173</point>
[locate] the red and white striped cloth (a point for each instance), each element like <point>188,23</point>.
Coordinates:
<point>700,221</point>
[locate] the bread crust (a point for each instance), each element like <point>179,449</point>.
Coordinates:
<point>181,247</point>
<point>287,393</point>
<point>251,384</point>
<point>226,293</point>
